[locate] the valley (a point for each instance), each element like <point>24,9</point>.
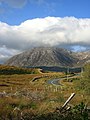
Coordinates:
<point>35,84</point>
<point>31,93</point>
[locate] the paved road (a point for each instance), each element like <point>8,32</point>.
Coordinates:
<point>56,81</point>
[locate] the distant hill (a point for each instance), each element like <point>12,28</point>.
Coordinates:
<point>44,56</point>
<point>9,70</point>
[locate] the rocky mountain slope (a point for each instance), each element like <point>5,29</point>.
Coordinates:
<point>44,56</point>
<point>84,57</point>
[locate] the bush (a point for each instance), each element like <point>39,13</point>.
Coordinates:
<point>78,112</point>
<point>9,70</point>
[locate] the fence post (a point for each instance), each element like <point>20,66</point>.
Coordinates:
<point>67,101</point>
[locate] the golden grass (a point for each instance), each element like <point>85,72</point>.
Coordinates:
<point>38,95</point>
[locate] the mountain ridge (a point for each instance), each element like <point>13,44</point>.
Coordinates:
<point>49,56</point>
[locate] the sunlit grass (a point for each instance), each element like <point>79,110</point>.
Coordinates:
<point>37,96</point>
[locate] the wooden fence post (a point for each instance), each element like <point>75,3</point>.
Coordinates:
<point>67,101</point>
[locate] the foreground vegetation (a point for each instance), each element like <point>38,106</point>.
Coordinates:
<point>29,97</point>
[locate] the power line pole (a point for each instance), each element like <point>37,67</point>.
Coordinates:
<point>67,72</point>
<point>81,72</point>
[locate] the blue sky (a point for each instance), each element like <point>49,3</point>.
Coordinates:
<point>14,13</point>
<point>25,24</point>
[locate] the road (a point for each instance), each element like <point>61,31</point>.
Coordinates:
<point>56,81</point>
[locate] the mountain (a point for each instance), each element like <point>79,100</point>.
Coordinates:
<point>84,57</point>
<point>44,56</point>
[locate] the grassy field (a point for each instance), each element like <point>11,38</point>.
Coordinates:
<point>30,93</point>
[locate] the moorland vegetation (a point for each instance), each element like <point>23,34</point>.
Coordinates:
<point>21,98</point>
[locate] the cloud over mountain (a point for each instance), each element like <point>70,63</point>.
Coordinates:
<point>49,31</point>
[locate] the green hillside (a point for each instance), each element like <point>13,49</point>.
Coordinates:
<point>9,70</point>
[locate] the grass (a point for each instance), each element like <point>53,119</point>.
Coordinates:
<point>21,87</point>
<point>38,97</point>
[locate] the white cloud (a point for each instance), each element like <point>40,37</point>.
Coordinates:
<point>50,31</point>
<point>6,53</point>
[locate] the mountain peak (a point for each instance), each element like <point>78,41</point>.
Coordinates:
<point>43,56</point>
<point>49,56</point>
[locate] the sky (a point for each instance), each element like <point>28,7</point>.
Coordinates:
<point>25,24</point>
